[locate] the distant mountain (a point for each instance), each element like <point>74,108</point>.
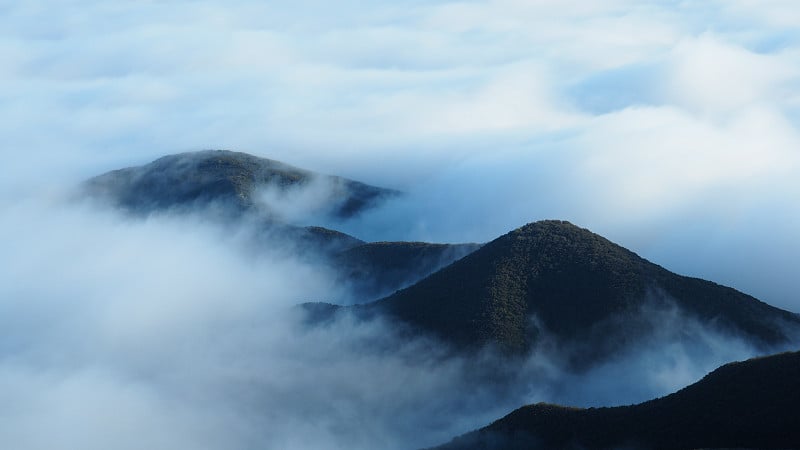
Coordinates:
<point>554,278</point>
<point>751,404</point>
<point>233,182</point>
<point>377,269</point>
<point>311,241</point>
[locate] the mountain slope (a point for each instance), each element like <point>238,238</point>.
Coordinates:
<point>751,404</point>
<point>232,181</point>
<point>553,277</point>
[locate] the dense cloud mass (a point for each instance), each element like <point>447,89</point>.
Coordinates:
<point>671,128</point>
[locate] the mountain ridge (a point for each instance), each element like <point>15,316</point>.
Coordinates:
<point>376,269</point>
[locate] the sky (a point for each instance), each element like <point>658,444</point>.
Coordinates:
<point>670,127</point>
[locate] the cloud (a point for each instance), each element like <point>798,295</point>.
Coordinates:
<point>300,204</point>
<point>708,75</point>
<point>775,13</point>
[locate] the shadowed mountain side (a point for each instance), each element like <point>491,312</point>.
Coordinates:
<point>751,404</point>
<point>228,181</point>
<point>555,278</point>
<point>309,243</point>
<point>376,269</point>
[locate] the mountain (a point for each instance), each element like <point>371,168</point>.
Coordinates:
<point>233,182</point>
<point>751,404</point>
<point>232,187</point>
<point>553,278</point>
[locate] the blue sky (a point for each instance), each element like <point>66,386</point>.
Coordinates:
<point>670,127</point>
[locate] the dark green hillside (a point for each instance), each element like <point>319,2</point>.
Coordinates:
<point>223,179</point>
<point>578,286</point>
<point>751,404</point>
<point>378,268</point>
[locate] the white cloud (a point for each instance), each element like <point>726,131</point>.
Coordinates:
<point>780,13</point>
<point>654,160</point>
<point>707,75</point>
